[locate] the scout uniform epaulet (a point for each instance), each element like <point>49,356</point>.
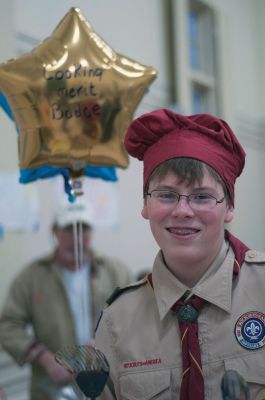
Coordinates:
<point>118,291</point>
<point>253,256</point>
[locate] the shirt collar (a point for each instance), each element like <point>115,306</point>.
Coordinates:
<point>215,286</point>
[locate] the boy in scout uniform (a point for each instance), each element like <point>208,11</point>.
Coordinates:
<point>201,311</point>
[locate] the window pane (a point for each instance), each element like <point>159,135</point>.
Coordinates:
<point>193,27</point>
<point>203,99</point>
<point>198,102</point>
<point>201,37</point>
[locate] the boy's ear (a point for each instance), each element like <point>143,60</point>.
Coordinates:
<point>229,214</point>
<point>144,210</point>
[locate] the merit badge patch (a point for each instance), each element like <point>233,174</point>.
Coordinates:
<point>250,330</point>
<point>261,395</point>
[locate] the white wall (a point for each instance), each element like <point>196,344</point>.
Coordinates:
<point>137,30</point>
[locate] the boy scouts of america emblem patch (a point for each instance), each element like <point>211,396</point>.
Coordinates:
<point>250,330</point>
<point>261,395</point>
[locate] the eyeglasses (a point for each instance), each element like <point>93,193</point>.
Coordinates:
<point>199,201</point>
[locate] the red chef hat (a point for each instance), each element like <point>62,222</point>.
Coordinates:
<point>162,134</point>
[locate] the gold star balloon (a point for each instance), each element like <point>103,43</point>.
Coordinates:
<point>72,98</point>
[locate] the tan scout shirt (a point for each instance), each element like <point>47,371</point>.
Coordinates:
<point>140,337</point>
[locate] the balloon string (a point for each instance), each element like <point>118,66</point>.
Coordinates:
<point>81,253</point>
<point>76,245</point>
<point>79,263</point>
<point>83,298</point>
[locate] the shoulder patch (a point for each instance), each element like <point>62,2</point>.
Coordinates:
<point>118,291</point>
<point>253,256</point>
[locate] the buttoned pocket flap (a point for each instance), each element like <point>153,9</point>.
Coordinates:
<point>145,385</point>
<point>251,366</point>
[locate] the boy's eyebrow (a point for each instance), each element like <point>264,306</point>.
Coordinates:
<point>203,188</point>
<point>174,187</point>
<point>165,186</point>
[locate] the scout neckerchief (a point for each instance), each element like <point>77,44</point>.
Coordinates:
<point>192,383</point>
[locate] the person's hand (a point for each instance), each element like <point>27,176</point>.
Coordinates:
<point>91,343</point>
<point>57,373</point>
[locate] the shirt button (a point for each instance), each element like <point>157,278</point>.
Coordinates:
<point>252,254</point>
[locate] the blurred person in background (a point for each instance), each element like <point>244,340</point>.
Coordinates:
<point>55,301</point>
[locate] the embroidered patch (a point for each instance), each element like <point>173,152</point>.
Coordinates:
<point>261,395</point>
<point>250,330</point>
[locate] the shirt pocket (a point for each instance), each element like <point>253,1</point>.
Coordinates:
<point>252,368</point>
<point>146,385</point>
